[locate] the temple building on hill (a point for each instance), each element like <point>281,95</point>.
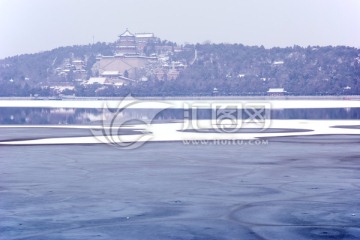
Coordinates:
<point>133,44</point>
<point>122,64</point>
<point>128,59</point>
<point>137,56</point>
<point>126,44</point>
<point>142,39</point>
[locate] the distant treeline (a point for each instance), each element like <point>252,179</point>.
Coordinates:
<point>230,69</point>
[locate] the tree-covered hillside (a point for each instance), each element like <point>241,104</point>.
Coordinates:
<point>28,74</point>
<point>233,69</point>
<point>237,69</point>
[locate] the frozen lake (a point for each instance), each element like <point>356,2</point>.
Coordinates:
<point>293,173</point>
<point>286,188</point>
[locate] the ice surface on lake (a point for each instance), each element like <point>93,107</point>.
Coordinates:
<point>303,187</point>
<point>163,132</point>
<point>188,181</point>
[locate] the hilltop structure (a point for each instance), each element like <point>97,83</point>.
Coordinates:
<point>143,39</point>
<point>126,44</point>
<point>128,59</point>
<point>133,44</point>
<point>130,62</point>
<point>134,58</point>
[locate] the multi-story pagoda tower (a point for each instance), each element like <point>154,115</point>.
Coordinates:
<point>126,44</point>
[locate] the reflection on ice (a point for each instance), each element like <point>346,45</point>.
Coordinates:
<point>95,116</point>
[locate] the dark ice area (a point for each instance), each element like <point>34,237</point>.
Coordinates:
<point>290,188</point>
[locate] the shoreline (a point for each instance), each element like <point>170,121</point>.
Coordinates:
<point>304,97</point>
<point>133,103</point>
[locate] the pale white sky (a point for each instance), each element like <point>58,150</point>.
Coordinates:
<point>29,26</point>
